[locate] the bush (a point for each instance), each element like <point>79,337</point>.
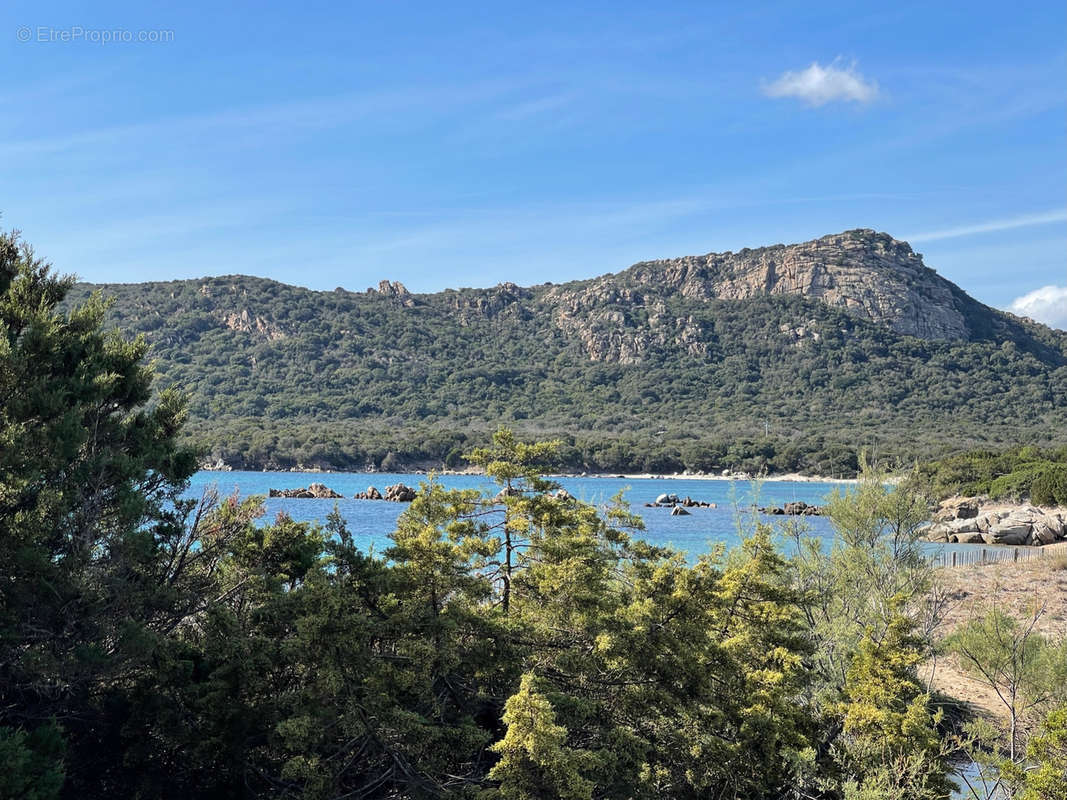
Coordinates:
<point>1050,487</point>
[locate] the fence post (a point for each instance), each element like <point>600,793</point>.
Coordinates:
<point>953,558</point>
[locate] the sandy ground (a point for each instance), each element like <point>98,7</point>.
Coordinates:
<point>1017,589</point>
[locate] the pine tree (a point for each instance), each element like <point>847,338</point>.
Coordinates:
<point>535,760</point>
<point>90,474</point>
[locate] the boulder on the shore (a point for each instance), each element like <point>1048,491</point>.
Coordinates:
<point>957,508</point>
<point>1007,532</point>
<point>972,520</point>
<point>1043,533</point>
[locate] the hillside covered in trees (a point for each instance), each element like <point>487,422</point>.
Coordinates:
<point>784,358</point>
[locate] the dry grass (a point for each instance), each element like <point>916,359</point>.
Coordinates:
<point>1057,562</point>
<point>1016,589</point>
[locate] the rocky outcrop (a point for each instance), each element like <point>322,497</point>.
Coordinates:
<point>674,501</point>
<point>315,491</point>
<point>246,323</point>
<point>622,317</point>
<point>217,465</point>
<point>395,290</point>
<point>957,508</point>
<point>795,509</point>
<point>972,521</point>
<point>399,493</point>
<point>501,299</point>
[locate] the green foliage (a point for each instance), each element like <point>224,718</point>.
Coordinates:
<point>32,763</point>
<point>892,743</point>
<point>874,571</point>
<point>535,763</point>
<point>1026,670</point>
<point>1046,752</point>
<point>90,473</point>
<point>1021,472</point>
<point>280,376</point>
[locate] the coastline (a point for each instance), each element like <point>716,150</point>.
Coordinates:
<point>790,477</point>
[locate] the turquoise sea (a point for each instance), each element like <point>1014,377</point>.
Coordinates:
<point>371,521</point>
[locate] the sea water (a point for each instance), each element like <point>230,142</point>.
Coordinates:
<point>371,521</point>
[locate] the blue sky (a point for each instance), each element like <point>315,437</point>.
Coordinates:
<point>454,144</point>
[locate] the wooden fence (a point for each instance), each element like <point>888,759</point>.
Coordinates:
<point>996,555</point>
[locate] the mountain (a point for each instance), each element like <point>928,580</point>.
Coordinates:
<point>784,357</point>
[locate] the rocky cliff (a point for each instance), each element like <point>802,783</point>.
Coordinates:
<point>871,275</point>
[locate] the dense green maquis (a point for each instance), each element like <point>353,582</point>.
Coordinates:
<point>639,377</point>
<point>1033,473</point>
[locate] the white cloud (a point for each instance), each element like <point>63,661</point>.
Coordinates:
<point>818,85</point>
<point>1047,304</point>
<point>1056,215</point>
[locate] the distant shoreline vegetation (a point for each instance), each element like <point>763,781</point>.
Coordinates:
<point>312,448</point>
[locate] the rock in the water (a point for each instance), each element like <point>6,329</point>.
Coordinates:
<point>323,492</point>
<point>794,509</point>
<point>667,499</point>
<point>315,491</point>
<point>678,511</point>
<point>372,493</point>
<point>399,493</point>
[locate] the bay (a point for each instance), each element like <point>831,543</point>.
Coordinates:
<point>371,521</point>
